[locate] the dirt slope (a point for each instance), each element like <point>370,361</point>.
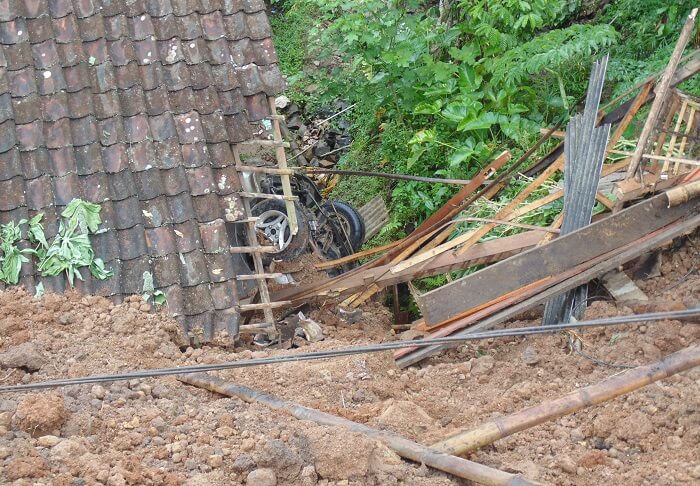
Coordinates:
<point>159,431</point>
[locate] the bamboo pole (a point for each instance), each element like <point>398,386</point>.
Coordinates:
<point>662,93</point>
<point>686,192</point>
<point>513,204</point>
<point>608,389</point>
<point>405,448</point>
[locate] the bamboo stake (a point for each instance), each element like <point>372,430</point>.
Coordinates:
<point>674,137</point>
<point>684,140</point>
<point>405,448</point>
<point>608,389</point>
<point>679,195</point>
<point>662,93</point>
<point>513,204</point>
<point>663,158</point>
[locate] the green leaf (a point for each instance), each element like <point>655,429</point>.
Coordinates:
<point>83,214</point>
<point>416,153</point>
<point>159,298</point>
<point>36,231</point>
<point>461,154</point>
<point>466,54</point>
<point>427,108</point>
<point>456,111</point>
<point>483,121</point>
<point>423,136</point>
<point>39,290</point>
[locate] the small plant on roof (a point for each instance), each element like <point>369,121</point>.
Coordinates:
<point>68,252</point>
<point>71,248</point>
<point>12,256</point>
<point>150,292</point>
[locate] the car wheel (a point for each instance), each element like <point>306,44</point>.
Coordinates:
<point>273,228</point>
<point>351,224</point>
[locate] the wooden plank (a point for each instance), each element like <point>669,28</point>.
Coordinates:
<point>262,306</point>
<point>605,263</point>
<point>263,195</point>
<point>255,276</point>
<point>253,249</point>
<point>486,252</point>
<point>355,256</point>
<point>263,143</point>
<point>638,102</point>
<point>565,252</point>
<point>513,204</point>
<point>264,170</point>
<point>662,92</point>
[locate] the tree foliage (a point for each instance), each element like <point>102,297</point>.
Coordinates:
<point>443,86</point>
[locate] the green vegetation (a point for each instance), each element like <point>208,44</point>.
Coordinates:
<point>442,89</point>
<point>69,251</point>
<point>149,292</point>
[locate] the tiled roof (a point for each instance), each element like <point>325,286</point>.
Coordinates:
<point>134,104</point>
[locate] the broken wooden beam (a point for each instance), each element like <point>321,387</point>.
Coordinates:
<point>605,390</point>
<point>564,281</point>
<point>662,91</point>
<point>486,252</point>
<point>405,448</point>
<point>554,258</point>
<point>622,288</point>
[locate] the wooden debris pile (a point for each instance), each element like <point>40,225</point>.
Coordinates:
<point>542,264</point>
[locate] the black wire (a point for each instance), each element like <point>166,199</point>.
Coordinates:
<point>523,331</point>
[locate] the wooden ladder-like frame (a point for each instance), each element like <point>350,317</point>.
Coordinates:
<point>254,248</point>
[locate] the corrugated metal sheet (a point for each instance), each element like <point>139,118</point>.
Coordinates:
<point>584,151</point>
<point>375,215</point>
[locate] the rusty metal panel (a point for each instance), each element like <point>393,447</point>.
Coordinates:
<point>375,216</point>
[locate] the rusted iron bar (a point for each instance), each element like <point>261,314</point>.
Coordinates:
<point>385,175</point>
<point>613,387</point>
<point>405,448</point>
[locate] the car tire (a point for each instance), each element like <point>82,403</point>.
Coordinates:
<point>351,222</point>
<point>273,226</point>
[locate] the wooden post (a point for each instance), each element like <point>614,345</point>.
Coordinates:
<point>405,448</point>
<point>662,93</point>
<point>613,387</point>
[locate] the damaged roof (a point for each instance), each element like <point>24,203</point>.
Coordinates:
<point>135,105</point>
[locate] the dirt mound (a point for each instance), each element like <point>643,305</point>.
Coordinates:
<point>159,431</point>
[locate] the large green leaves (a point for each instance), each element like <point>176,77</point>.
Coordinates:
<point>68,252</point>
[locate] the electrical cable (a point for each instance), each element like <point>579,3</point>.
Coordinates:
<point>365,349</point>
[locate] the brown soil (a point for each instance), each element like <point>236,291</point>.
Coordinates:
<point>159,431</point>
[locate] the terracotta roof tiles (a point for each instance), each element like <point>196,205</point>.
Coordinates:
<point>134,104</point>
